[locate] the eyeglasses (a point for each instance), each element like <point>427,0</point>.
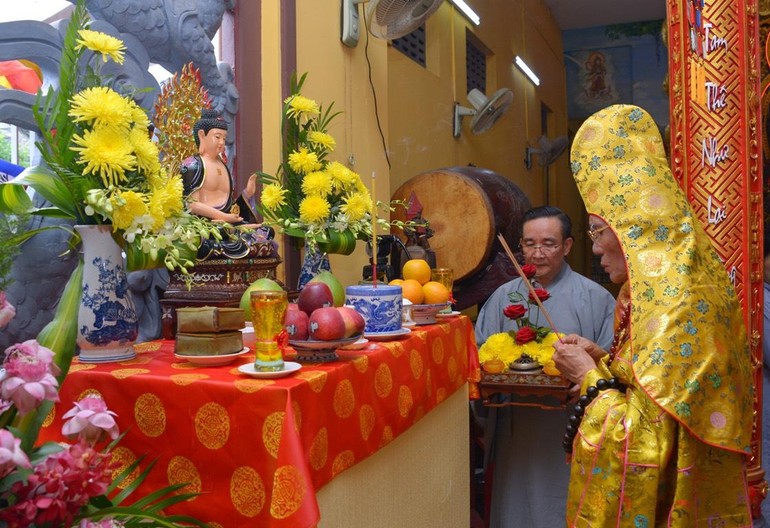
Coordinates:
<point>529,247</point>
<point>594,231</point>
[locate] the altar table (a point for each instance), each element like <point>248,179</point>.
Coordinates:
<point>259,450</point>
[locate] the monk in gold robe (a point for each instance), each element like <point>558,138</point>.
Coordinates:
<point>660,435</point>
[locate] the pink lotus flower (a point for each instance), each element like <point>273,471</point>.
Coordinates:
<point>7,311</point>
<point>11,453</point>
<point>89,420</point>
<point>59,487</point>
<point>29,376</point>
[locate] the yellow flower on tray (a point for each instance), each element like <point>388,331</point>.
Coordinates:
<point>502,346</point>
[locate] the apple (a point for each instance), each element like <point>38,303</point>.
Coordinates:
<point>313,296</point>
<point>292,306</point>
<point>258,285</point>
<point>326,324</point>
<point>354,321</point>
<point>296,325</point>
<point>338,290</point>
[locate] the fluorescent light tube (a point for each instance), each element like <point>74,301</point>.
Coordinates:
<point>467,11</point>
<point>527,70</point>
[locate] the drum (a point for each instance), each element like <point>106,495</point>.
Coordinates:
<point>466,208</point>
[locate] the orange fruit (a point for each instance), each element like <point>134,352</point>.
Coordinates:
<point>493,366</point>
<point>395,282</point>
<point>417,269</point>
<point>435,293</point>
<point>412,290</point>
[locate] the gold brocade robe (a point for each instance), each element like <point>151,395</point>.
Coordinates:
<point>634,465</point>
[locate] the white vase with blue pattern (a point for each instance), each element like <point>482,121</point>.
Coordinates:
<point>107,321</point>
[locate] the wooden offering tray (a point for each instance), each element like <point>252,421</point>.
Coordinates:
<point>525,386</point>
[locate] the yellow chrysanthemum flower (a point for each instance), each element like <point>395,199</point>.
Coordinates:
<point>304,161</point>
<point>317,182</point>
<point>105,45</point>
<point>139,117</point>
<point>356,206</point>
<point>146,152</point>
<point>313,209</point>
<point>342,178</point>
<point>103,106</point>
<point>301,107</point>
<point>502,346</point>
<point>322,139</point>
<point>126,206</point>
<point>273,196</point>
<point>105,151</point>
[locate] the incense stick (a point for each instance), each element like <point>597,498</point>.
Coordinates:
<point>529,284</point>
<point>374,234</point>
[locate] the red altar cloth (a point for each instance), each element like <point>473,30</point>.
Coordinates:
<point>257,450</point>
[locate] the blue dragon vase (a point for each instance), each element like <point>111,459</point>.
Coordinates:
<point>107,321</point>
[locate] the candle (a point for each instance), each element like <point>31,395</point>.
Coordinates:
<point>374,233</point>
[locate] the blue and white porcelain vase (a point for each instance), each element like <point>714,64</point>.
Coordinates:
<point>107,321</point>
<point>314,262</point>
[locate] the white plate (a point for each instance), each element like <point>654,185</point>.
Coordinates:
<point>386,336</point>
<point>356,345</point>
<point>314,344</point>
<point>408,324</point>
<point>288,368</point>
<point>212,361</point>
<point>447,315</point>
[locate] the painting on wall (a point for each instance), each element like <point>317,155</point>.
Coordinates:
<point>597,78</point>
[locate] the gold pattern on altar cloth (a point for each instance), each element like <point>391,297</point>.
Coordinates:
<point>289,490</point>
<point>387,436</point>
<point>342,462</point>
<point>187,379</point>
<point>247,491</point>
<point>460,343</point>
<point>150,415</point>
<point>319,449</point>
<point>212,425</point>
<point>138,360</point>
<point>149,346</point>
<point>396,348</point>
<point>405,401</point>
<point>122,458</point>
<point>344,399</point>
<point>48,420</point>
<point>423,336</point>
<point>419,412</point>
<point>440,395</point>
<point>361,363</point>
<point>415,362</point>
<point>90,392</point>
<point>214,525</point>
<point>271,432</point>
<point>128,372</point>
<point>383,381</point>
<point>445,327</point>
<point>77,367</point>
<point>183,365</point>
<point>366,419</point>
<point>429,382</point>
<point>250,386</point>
<point>316,379</point>
<point>295,407</point>
<point>437,351</point>
<point>654,263</point>
<point>182,470</point>
<point>452,370</point>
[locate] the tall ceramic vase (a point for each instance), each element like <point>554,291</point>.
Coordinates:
<point>107,321</point>
<point>314,262</point>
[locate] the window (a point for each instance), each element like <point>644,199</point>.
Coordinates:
<point>413,45</point>
<point>475,63</point>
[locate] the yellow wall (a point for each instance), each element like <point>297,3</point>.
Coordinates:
<point>416,104</point>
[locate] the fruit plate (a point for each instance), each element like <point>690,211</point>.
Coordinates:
<point>423,314</point>
<point>212,361</point>
<point>447,315</point>
<point>317,344</point>
<point>288,367</point>
<point>386,336</point>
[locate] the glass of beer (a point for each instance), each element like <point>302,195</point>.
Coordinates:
<point>444,276</point>
<point>268,312</point>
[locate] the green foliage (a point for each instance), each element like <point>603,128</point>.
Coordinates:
<point>635,29</point>
<point>10,227</point>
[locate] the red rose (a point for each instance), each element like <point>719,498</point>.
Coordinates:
<point>541,294</point>
<point>514,311</point>
<point>525,335</point>
<point>529,270</point>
